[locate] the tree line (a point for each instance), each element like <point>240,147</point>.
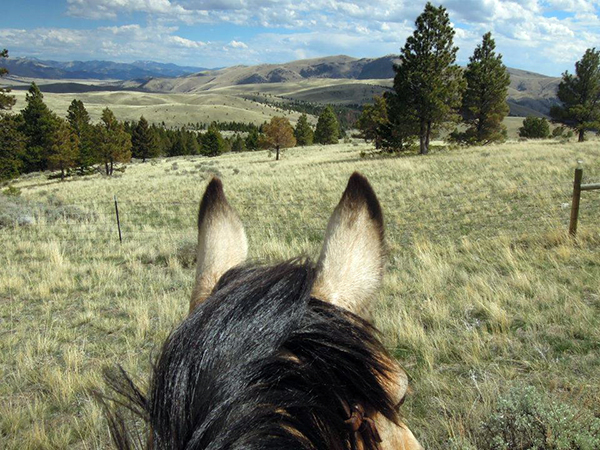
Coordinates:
<point>432,93</point>
<point>37,139</point>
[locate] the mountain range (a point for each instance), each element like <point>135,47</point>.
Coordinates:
<point>529,93</point>
<point>98,70</point>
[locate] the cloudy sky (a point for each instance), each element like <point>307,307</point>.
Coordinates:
<point>545,36</point>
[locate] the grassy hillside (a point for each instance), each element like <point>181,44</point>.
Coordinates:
<point>484,290</point>
<point>247,103</point>
<point>174,109</point>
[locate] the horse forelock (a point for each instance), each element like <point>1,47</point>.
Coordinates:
<point>263,365</point>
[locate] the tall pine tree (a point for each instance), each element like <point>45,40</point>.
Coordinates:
<point>143,141</point>
<point>580,95</point>
<point>64,148</point>
<point>113,143</point>
<point>39,125</point>
<point>12,146</point>
<point>484,104</point>
<point>6,101</point>
<point>303,132</point>
<point>252,140</point>
<point>328,128</point>
<point>428,84</point>
<point>79,119</point>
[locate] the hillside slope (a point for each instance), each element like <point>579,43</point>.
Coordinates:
<point>334,79</point>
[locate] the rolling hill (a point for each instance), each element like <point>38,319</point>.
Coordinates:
<point>529,93</point>
<point>334,79</point>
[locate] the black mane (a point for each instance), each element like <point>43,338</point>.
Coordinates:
<point>259,365</point>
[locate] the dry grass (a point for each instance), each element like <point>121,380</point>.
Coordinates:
<point>484,289</point>
<point>175,110</point>
<point>232,103</point>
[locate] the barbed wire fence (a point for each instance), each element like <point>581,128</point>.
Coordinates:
<point>477,213</point>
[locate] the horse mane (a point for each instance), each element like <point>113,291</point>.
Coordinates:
<point>259,365</point>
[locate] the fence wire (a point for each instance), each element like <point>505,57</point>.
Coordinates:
<point>478,212</point>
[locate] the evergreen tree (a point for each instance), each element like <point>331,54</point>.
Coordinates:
<point>38,125</point>
<point>192,147</point>
<point>328,129</point>
<point>177,147</point>
<point>238,144</point>
<point>279,134</point>
<point>372,120</point>
<point>143,141</point>
<point>428,84</point>
<point>212,142</point>
<point>113,143</point>
<point>397,133</point>
<point>252,140</point>
<point>64,148</point>
<point>6,101</point>
<point>580,96</point>
<point>303,132</point>
<point>79,119</point>
<point>12,146</point>
<point>535,128</point>
<point>484,102</point>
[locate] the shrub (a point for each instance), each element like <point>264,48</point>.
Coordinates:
<point>17,211</point>
<point>12,191</point>
<point>535,128</point>
<point>186,252</point>
<point>526,419</point>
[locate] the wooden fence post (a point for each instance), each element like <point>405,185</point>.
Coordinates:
<point>118,221</point>
<point>575,202</point>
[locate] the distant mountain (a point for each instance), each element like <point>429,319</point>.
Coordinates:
<point>529,93</point>
<point>100,70</point>
<point>332,67</point>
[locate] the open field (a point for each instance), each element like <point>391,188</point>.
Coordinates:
<point>246,103</point>
<point>175,110</point>
<point>484,290</point>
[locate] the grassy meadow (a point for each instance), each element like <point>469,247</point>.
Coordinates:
<point>175,110</point>
<point>484,290</point>
<point>250,103</point>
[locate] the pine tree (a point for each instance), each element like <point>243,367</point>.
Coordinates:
<point>212,142</point>
<point>279,134</point>
<point>328,128</point>
<point>177,147</point>
<point>580,95</point>
<point>252,140</point>
<point>484,104</point>
<point>372,120</point>
<point>6,101</point>
<point>238,144</point>
<point>113,143</point>
<point>12,146</point>
<point>303,132</point>
<point>535,128</point>
<point>64,148</point>
<point>143,141</point>
<point>428,84</point>
<point>79,119</point>
<point>38,125</point>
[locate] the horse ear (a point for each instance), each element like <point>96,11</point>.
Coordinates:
<point>350,267</point>
<point>222,242</point>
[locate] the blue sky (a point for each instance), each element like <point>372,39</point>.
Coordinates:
<point>545,36</point>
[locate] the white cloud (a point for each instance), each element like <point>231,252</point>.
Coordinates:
<point>319,27</point>
<point>237,44</point>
